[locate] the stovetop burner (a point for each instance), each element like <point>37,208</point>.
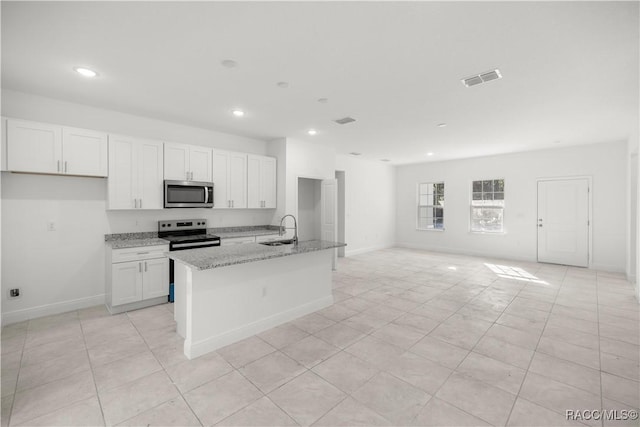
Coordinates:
<point>186,234</point>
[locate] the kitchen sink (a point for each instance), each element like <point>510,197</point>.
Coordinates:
<point>278,242</point>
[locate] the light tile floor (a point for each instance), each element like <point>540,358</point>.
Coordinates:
<point>414,338</point>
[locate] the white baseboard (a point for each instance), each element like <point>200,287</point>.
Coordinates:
<point>348,253</point>
<point>193,350</point>
<point>508,256</point>
<point>609,268</point>
<point>456,251</point>
<point>49,309</point>
<point>137,305</point>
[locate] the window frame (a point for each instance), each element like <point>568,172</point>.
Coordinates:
<point>502,207</point>
<point>431,206</point>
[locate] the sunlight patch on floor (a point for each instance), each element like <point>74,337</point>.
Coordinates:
<point>515,273</point>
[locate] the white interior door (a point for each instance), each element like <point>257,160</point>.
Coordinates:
<point>563,222</point>
<point>329,213</point>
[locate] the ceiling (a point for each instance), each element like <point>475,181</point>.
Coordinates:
<point>570,69</point>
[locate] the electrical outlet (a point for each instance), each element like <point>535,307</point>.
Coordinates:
<point>14,293</point>
<point>51,226</point>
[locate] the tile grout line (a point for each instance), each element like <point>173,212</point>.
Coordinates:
<point>599,352</point>
<point>454,370</point>
<point>526,374</point>
<point>93,376</point>
<point>166,373</point>
<point>15,391</point>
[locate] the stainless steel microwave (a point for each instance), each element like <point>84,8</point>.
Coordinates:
<point>188,194</point>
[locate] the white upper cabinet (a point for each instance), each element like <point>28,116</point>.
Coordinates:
<point>184,162</point>
<point>200,163</point>
<point>33,147</point>
<point>135,173</point>
<point>150,174</point>
<point>84,152</point>
<point>53,149</point>
<point>229,179</point>
<point>261,177</point>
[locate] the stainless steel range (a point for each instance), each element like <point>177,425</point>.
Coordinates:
<point>185,234</point>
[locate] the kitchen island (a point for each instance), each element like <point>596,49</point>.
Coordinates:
<point>227,293</point>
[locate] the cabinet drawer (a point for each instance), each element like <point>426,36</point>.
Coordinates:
<point>139,253</point>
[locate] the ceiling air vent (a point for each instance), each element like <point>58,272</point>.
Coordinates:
<point>345,120</point>
<point>482,78</point>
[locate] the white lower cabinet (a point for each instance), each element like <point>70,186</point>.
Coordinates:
<point>126,282</point>
<point>137,277</point>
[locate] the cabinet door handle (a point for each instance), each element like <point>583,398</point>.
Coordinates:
<point>58,169</point>
<point>65,167</point>
<point>140,203</point>
<point>145,266</point>
<point>135,203</point>
<point>139,267</point>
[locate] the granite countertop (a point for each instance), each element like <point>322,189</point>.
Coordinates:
<point>136,242</point>
<point>231,232</point>
<point>150,238</point>
<point>222,256</point>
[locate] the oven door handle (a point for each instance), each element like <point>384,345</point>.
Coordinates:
<point>195,244</point>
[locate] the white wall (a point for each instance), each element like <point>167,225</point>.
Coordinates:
<point>632,212</point>
<point>64,269</point>
<point>605,163</point>
<point>306,160</point>
<point>370,204</point>
<point>633,264</point>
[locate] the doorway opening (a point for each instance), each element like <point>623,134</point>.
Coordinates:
<point>309,209</point>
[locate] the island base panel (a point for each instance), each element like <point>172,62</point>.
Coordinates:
<point>220,306</point>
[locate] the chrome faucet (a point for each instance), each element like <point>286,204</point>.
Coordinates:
<point>295,227</point>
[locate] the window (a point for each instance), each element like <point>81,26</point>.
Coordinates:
<point>487,206</point>
<point>431,206</point>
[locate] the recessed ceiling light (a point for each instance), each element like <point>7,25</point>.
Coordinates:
<point>312,132</point>
<point>429,153</point>
<point>353,153</point>
<point>85,72</point>
<point>282,85</point>
<point>229,63</point>
<point>385,160</point>
<point>442,125</point>
<point>323,100</point>
<point>237,113</point>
